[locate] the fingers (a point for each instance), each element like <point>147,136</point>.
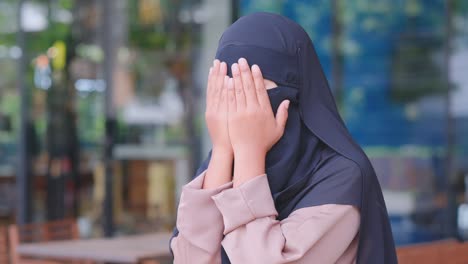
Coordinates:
<point>262,95</point>
<point>214,74</point>
<point>282,116</point>
<point>215,84</point>
<point>222,70</point>
<point>248,83</point>
<point>223,105</point>
<point>209,88</point>
<point>231,96</point>
<point>238,87</point>
<point>219,83</point>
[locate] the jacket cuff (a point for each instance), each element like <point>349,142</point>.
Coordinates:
<point>247,202</point>
<point>197,183</point>
<point>197,216</point>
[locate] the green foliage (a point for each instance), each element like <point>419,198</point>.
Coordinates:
<point>415,72</point>
<point>40,42</point>
<point>91,117</point>
<point>66,4</point>
<point>90,52</point>
<point>461,7</point>
<point>9,105</point>
<point>144,36</point>
<point>147,38</point>
<point>265,6</point>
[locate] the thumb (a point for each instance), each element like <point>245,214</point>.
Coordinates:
<point>282,115</point>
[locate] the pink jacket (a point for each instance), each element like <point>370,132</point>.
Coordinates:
<point>246,215</point>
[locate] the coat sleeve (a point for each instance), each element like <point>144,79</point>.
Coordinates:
<point>318,234</point>
<point>199,223</point>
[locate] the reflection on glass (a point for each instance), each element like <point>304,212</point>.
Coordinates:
<point>390,59</point>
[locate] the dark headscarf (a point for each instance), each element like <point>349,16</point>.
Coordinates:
<point>316,161</point>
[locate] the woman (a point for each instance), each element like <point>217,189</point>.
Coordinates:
<point>285,182</point>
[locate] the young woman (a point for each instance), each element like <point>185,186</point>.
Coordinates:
<point>284,182</point>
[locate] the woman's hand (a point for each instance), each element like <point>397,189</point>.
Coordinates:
<point>216,107</point>
<point>253,128</point>
<point>220,168</point>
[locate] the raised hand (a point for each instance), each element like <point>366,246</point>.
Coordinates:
<point>220,167</point>
<point>253,128</point>
<point>216,107</point>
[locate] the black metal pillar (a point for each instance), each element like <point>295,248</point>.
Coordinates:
<point>23,175</point>
<point>336,54</point>
<point>451,225</point>
<point>108,46</point>
<point>235,7</point>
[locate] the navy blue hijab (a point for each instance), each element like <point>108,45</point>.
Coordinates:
<point>316,161</point>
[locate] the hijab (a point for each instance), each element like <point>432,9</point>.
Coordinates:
<point>316,161</point>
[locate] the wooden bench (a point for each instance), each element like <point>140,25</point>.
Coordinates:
<point>444,251</point>
<point>39,232</point>
<point>4,248</point>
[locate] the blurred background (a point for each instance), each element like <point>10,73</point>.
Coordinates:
<point>102,105</point>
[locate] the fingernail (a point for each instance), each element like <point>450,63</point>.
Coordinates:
<point>287,104</point>
<point>243,63</point>
<point>235,68</point>
<point>215,62</point>
<point>255,68</point>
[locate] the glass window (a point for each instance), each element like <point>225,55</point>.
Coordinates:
<point>390,69</point>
